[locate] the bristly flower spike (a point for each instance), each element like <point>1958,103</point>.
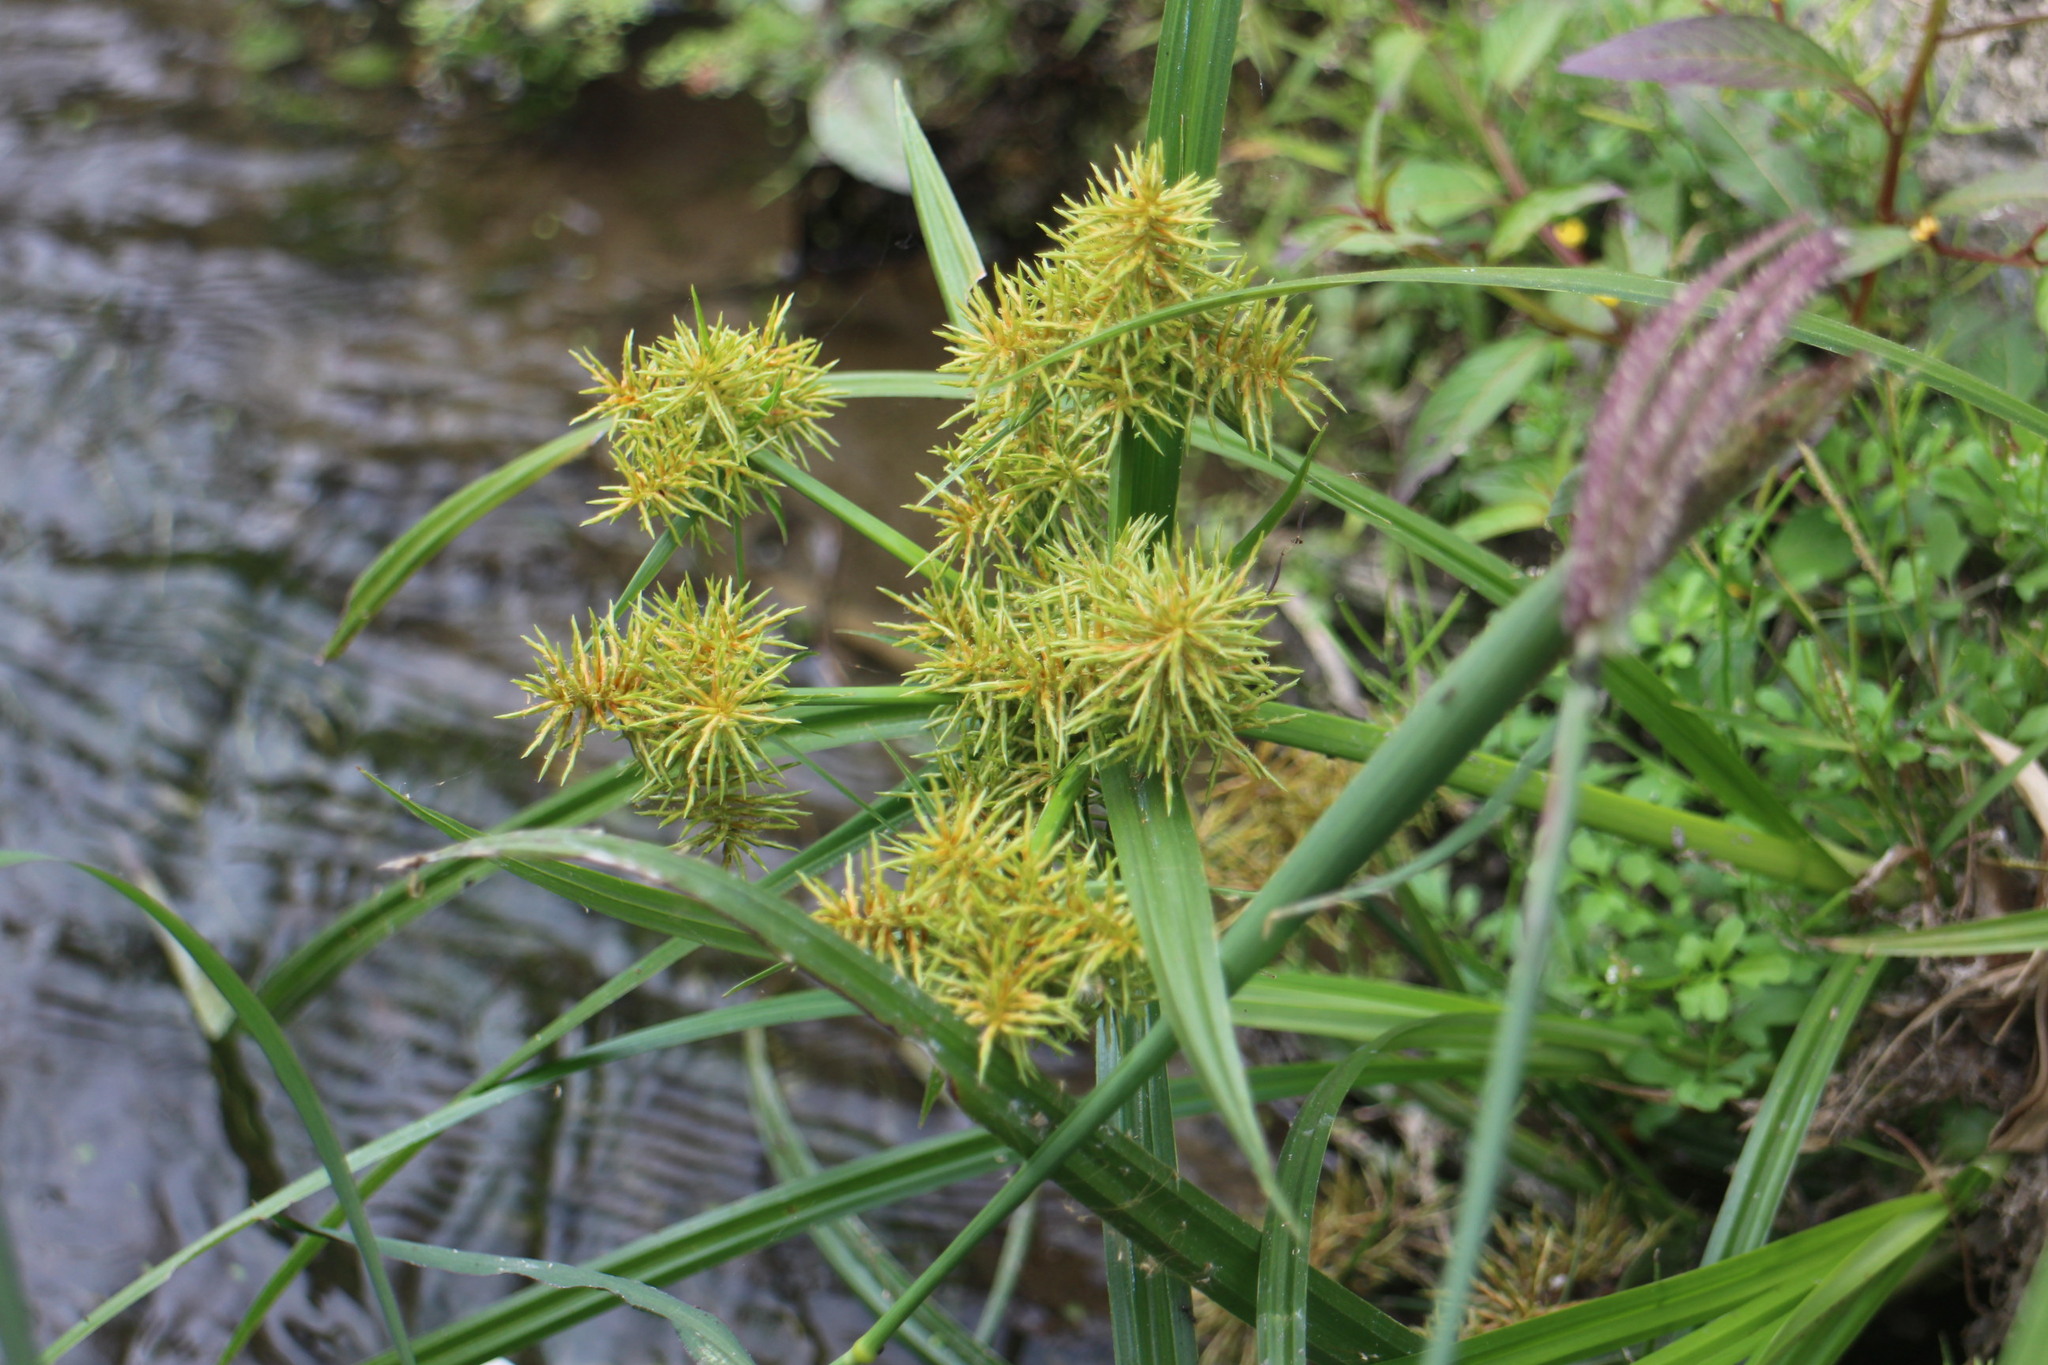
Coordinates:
<point>1679,395</point>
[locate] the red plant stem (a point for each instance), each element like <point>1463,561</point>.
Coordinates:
<point>1900,124</point>
<point>2024,256</point>
<point>1977,30</point>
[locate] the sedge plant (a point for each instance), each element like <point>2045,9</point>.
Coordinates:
<point>1083,650</point>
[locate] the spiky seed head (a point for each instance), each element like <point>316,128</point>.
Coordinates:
<point>690,411</point>
<point>1680,384</point>
<point>1167,647</point>
<point>1018,939</point>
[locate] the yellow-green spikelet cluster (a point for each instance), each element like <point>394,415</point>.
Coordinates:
<point>689,413</point>
<point>692,686</point>
<point>1023,942</point>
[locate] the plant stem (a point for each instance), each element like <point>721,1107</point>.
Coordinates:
<point>1900,124</point>
<point>1501,1095</point>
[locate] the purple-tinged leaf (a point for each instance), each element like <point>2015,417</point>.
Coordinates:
<point>1732,51</point>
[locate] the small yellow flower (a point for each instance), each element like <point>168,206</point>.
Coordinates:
<point>1927,229</point>
<point>1571,233</point>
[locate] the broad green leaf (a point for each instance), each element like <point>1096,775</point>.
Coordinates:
<point>1151,1315</point>
<point>2026,932</point>
<point>405,556</point>
<point>1538,209</point>
<point>1732,51</point>
<point>1282,1323</point>
<point>855,1254</point>
<point>853,119</point>
<point>261,1027</point>
<point>2027,185</point>
<point>1191,84</point>
<point>947,241</point>
<point>709,1341</point>
<point>1160,860</point>
<point>1516,40</point>
<point>1468,401</point>
<point>1764,1169</point>
<point>1735,142</point>
<point>1873,248</point>
<point>1434,194</point>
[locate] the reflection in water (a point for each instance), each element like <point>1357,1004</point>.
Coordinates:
<point>241,353</point>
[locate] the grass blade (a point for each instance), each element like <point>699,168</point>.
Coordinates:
<point>1765,1167</point>
<point>1797,862</point>
<point>1593,1330</point>
<point>947,240</point>
<point>17,1346</point>
<point>277,1049</point>
<point>308,969</point>
<point>761,1220</point>
<point>402,1142</point>
<point>1191,84</point>
<point>658,555</point>
<point>709,1341</point>
<point>1161,864</point>
<point>853,1252</point>
<point>1360,1010</point>
<point>1190,1233</point>
<point>855,516</point>
<point>1241,554</point>
<point>1829,1319</point>
<point>1985,794</point>
<point>2025,932</point>
<point>1731,1338</point>
<point>1009,1268</point>
<point>1501,1095</point>
<point>1282,1321</point>
<point>2027,1342</point>
<point>894,384</point>
<point>431,534</point>
<point>1814,330</point>
<point>1151,1314</point>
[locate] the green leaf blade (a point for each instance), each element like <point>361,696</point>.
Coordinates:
<point>947,241</point>
<point>434,532</point>
<point>1161,863</point>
